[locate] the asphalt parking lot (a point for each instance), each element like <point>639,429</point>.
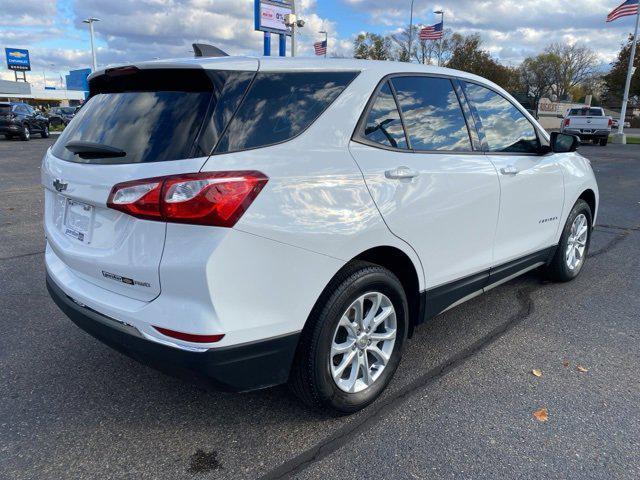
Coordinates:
<point>460,406</point>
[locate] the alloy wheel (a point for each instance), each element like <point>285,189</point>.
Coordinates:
<point>363,342</point>
<point>577,242</point>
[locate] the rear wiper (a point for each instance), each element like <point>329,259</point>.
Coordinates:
<point>90,150</point>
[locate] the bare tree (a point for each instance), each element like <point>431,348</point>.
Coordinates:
<point>571,65</point>
<point>423,51</point>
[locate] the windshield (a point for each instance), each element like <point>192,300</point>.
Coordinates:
<point>155,117</point>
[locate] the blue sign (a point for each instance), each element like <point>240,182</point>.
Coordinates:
<point>18,59</point>
<point>269,15</point>
<point>77,79</point>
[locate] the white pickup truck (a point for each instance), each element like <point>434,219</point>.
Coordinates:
<point>589,123</point>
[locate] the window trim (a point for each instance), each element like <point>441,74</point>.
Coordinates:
<point>355,76</point>
<point>542,140</point>
<point>358,133</point>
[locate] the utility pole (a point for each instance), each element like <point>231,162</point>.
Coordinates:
<point>441,13</point>
<point>90,21</point>
<point>410,30</point>
<point>620,136</point>
<point>326,41</point>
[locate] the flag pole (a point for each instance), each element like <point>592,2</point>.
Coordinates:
<point>625,99</point>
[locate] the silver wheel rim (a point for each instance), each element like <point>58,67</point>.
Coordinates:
<point>577,242</point>
<point>363,342</point>
<point>26,132</point>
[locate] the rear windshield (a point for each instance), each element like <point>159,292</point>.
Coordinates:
<point>586,112</point>
<point>155,116</point>
<point>280,106</point>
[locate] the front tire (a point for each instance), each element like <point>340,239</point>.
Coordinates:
<point>353,341</point>
<point>574,243</point>
<point>45,132</point>
<point>25,136</point>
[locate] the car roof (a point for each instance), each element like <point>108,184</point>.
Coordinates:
<point>311,64</point>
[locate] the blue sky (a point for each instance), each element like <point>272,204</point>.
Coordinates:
<point>133,30</point>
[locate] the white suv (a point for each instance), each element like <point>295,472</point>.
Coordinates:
<point>260,221</point>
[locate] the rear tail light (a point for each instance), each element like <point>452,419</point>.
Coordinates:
<point>190,337</point>
<point>567,121</point>
<point>213,198</point>
<point>610,121</point>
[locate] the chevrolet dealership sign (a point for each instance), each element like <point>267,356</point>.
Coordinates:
<point>18,59</point>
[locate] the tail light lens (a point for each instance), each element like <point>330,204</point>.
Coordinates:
<point>610,121</point>
<point>567,121</point>
<point>210,198</point>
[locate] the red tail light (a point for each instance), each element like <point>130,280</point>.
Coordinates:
<point>610,121</point>
<point>567,121</point>
<point>210,198</point>
<point>190,337</point>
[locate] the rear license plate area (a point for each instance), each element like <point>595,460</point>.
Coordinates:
<point>78,220</point>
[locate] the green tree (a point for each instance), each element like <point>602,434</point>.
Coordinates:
<point>371,46</point>
<point>537,76</point>
<point>615,80</point>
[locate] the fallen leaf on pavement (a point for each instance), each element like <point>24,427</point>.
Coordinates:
<point>541,415</point>
<point>565,363</point>
<point>581,369</point>
<point>536,372</point>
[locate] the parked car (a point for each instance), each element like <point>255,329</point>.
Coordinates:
<point>615,124</point>
<point>256,222</point>
<point>589,123</point>
<point>61,115</point>
<point>21,120</point>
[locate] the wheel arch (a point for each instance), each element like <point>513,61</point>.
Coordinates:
<point>589,196</point>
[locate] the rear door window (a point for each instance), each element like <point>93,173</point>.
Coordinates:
<point>505,128</point>
<point>432,114</point>
<point>383,124</point>
<point>156,115</point>
<point>280,106</point>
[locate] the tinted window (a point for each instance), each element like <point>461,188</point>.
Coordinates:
<point>505,128</point>
<point>279,106</point>
<point>5,109</point>
<point>383,122</point>
<point>154,126</point>
<point>584,112</point>
<point>432,114</point>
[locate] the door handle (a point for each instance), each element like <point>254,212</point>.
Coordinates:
<point>400,173</point>
<point>509,170</point>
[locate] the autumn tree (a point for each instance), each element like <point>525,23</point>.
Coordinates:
<point>371,46</point>
<point>467,55</point>
<point>536,75</point>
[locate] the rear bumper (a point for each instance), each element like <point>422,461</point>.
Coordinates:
<point>588,135</point>
<point>10,128</point>
<point>244,367</point>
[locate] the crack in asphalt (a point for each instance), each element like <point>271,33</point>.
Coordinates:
<point>625,231</point>
<point>23,255</point>
<point>383,407</point>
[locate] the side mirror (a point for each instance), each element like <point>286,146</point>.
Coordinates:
<point>563,143</point>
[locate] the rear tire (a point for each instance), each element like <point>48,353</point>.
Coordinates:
<point>45,132</point>
<point>323,376</point>
<point>573,248</point>
<point>604,141</point>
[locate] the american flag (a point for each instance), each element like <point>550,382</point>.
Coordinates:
<point>320,47</point>
<point>630,7</point>
<point>432,32</point>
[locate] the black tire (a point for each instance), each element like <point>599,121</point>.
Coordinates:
<point>558,270</point>
<point>604,141</point>
<point>45,132</point>
<point>310,378</point>
<point>25,136</point>
<point>7,137</point>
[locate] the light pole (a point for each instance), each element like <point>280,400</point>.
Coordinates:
<point>620,136</point>
<point>410,30</point>
<point>326,42</point>
<point>292,21</point>
<point>441,13</point>
<point>90,21</point>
